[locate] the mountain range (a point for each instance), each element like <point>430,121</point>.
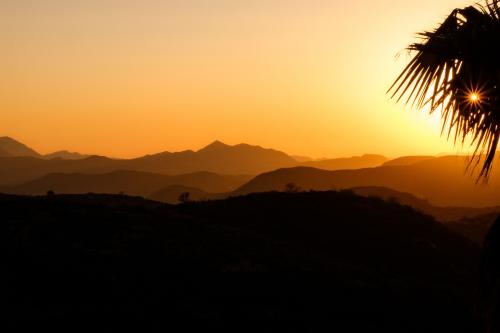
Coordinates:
<point>20,164</point>
<point>221,170</point>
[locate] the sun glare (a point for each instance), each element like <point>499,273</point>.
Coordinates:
<point>474,97</point>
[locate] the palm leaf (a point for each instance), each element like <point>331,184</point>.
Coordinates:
<point>456,69</point>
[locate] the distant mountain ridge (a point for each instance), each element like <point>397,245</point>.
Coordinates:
<point>216,157</point>
<point>220,158</point>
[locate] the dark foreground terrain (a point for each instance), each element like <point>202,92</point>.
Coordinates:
<point>99,263</point>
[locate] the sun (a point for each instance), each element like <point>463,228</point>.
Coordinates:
<point>474,97</point>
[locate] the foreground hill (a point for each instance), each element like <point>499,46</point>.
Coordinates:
<point>104,263</point>
<point>442,181</point>
<point>129,182</point>
<point>171,194</point>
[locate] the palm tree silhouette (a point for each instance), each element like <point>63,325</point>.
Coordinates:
<point>456,69</point>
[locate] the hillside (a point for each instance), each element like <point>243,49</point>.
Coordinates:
<point>129,182</point>
<point>393,270</point>
<point>442,181</point>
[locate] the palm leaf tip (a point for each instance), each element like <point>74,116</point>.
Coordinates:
<point>456,69</point>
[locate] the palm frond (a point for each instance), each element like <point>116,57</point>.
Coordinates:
<point>456,69</point>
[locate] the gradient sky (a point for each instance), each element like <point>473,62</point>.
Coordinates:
<point>126,78</point>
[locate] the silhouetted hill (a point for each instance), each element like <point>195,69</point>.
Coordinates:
<point>15,148</point>
<point>106,262</point>
<point>357,162</point>
<point>442,181</point>
<point>129,182</point>
<point>407,160</point>
<point>443,214</point>
<point>65,155</point>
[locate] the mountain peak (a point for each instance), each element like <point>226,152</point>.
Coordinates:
<point>215,146</point>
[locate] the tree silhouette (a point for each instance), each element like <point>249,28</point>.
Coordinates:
<point>292,188</point>
<point>184,197</point>
<point>456,70</point>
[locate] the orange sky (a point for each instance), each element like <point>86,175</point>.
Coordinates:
<point>126,78</point>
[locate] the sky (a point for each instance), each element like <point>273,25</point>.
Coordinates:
<point>126,78</point>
